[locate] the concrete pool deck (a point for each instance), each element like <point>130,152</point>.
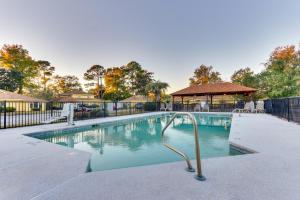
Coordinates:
<point>34,169</point>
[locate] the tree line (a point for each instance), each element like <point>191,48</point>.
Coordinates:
<point>19,72</point>
<point>123,82</point>
<point>279,78</point>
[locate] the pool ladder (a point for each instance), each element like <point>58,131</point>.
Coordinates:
<point>189,168</point>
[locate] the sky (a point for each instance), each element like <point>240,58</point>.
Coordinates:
<point>168,37</point>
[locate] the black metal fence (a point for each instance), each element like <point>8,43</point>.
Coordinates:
<point>287,108</point>
<point>215,107</point>
<point>21,113</point>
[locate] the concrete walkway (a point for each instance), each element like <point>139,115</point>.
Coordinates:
<point>271,173</point>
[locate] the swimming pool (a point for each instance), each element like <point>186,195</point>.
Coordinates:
<point>137,142</point>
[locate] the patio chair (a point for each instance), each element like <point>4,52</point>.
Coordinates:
<point>259,107</point>
<point>62,115</point>
<point>197,108</point>
<point>252,106</point>
<point>204,106</point>
<point>169,107</point>
<point>247,108</point>
<point>163,106</point>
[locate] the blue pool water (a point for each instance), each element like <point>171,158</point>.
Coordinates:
<point>138,141</point>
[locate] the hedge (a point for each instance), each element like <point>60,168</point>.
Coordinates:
<point>8,109</point>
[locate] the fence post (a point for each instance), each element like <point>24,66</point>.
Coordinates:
<point>104,109</point>
<point>288,109</point>
<point>116,104</point>
<point>4,114</point>
<point>82,111</point>
<point>51,108</point>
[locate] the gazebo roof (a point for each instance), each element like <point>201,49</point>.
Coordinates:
<point>214,89</point>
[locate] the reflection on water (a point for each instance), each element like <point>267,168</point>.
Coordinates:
<point>138,142</point>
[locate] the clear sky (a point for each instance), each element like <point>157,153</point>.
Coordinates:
<point>169,37</point>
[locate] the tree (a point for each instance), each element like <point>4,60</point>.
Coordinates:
<point>205,75</point>
<point>136,78</point>
<point>165,98</point>
<point>115,88</point>
<point>282,73</point>
<point>62,84</point>
<point>157,88</point>
<point>8,80</point>
<point>95,73</point>
<point>285,54</point>
<point>16,59</point>
<point>247,77</point>
<point>244,77</point>
<point>46,71</point>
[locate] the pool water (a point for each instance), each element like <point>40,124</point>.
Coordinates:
<point>138,142</point>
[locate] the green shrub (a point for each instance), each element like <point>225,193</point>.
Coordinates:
<point>55,108</point>
<point>8,109</point>
<point>36,109</point>
<point>150,106</point>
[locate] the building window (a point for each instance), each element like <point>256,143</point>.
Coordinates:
<point>35,106</point>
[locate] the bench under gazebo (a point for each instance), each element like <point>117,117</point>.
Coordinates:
<point>223,92</point>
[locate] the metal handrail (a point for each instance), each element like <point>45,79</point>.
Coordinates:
<point>199,175</point>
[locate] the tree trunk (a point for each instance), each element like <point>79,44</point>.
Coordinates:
<point>98,88</point>
<point>20,90</point>
<point>157,97</point>
<point>44,83</point>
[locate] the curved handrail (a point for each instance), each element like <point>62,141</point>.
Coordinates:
<point>183,155</point>
<point>199,175</point>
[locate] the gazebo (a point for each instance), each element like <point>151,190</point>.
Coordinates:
<point>213,89</point>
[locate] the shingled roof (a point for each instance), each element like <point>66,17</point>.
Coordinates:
<point>11,96</point>
<point>214,89</point>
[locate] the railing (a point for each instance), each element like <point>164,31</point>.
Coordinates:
<point>199,175</point>
<point>22,113</point>
<point>287,108</point>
